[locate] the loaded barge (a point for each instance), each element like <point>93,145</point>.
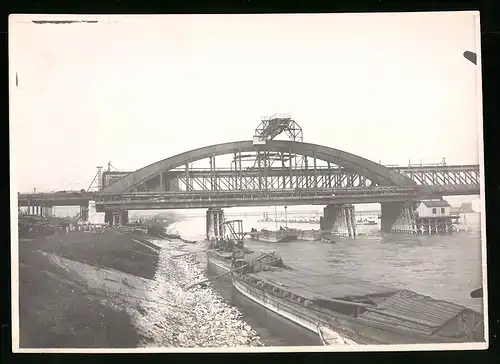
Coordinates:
<point>344,310</point>
<point>358,311</point>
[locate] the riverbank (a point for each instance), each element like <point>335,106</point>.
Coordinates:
<point>114,289</point>
<point>57,308</point>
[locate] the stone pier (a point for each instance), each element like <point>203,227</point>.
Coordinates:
<point>47,211</point>
<point>399,217</point>
<point>215,223</point>
<point>84,213</point>
<point>108,217</point>
<point>120,218</point>
<point>339,219</point>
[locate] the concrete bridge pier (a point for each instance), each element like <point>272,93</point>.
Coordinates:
<point>108,217</point>
<point>84,213</point>
<point>339,219</point>
<point>399,217</point>
<point>47,211</point>
<point>35,210</point>
<point>120,218</point>
<point>215,223</point>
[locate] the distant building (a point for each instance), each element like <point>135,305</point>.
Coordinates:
<point>430,209</point>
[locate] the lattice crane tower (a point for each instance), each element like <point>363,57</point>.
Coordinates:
<point>269,128</point>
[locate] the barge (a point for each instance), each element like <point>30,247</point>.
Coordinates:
<point>222,261</point>
<point>309,235</point>
<point>342,310</point>
<point>280,236</point>
<point>357,311</point>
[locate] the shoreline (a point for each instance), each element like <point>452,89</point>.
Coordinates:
<point>116,289</point>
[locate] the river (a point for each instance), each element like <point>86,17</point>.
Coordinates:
<point>445,267</point>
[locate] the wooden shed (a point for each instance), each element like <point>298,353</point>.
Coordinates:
<point>434,209</point>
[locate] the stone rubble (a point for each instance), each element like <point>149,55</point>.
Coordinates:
<point>162,311</point>
<point>202,318</point>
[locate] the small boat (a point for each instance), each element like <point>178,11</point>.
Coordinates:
<point>368,221</point>
<point>327,240</point>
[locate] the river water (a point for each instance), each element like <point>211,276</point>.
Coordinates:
<point>445,267</point>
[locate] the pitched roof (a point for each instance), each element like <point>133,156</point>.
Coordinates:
<point>413,311</point>
<point>440,203</point>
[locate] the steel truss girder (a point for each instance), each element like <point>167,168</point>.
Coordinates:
<point>272,171</point>
<point>445,176</point>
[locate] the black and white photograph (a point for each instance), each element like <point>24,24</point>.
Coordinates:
<point>247,183</point>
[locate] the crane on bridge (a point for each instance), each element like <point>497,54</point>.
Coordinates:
<point>268,129</point>
<point>272,126</point>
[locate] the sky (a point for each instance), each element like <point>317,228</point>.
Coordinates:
<point>392,88</point>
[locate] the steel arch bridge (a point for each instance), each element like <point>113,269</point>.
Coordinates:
<point>269,166</point>
<point>265,171</point>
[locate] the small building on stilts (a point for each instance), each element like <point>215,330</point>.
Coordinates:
<point>434,217</point>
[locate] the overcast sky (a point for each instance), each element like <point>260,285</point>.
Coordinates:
<point>136,90</point>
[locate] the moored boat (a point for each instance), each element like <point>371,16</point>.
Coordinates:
<point>341,309</point>
<point>280,236</point>
<point>309,235</point>
<point>367,221</point>
<point>357,311</point>
<point>222,262</point>
<point>327,240</point>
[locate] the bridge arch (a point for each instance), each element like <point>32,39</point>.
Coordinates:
<point>377,173</point>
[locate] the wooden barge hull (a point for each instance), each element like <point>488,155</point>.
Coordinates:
<point>219,264</point>
<point>357,331</point>
<point>274,237</point>
<point>366,328</point>
<point>309,235</point>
